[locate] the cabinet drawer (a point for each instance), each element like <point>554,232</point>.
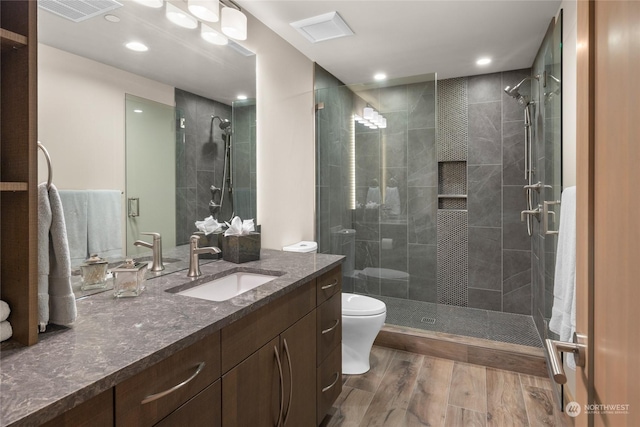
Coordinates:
<point>329,382</point>
<point>95,412</point>
<point>154,393</point>
<point>329,326</point>
<point>203,410</point>
<point>329,284</point>
<point>246,335</point>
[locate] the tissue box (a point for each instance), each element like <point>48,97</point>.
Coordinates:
<point>239,249</point>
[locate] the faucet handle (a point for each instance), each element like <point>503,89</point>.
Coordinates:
<point>151,233</point>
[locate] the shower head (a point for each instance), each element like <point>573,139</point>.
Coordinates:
<point>513,91</point>
<point>225,124</point>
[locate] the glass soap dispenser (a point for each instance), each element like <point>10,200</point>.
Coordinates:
<point>94,273</point>
<point>129,278</point>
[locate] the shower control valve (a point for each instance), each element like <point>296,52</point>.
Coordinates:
<point>533,212</point>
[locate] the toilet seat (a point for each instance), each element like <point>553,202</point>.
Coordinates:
<point>361,305</point>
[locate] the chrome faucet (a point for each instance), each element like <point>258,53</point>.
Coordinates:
<point>194,251</point>
<point>533,212</point>
<point>156,247</point>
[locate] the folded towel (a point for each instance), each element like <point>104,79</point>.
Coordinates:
<point>4,311</point>
<point>74,204</point>
<point>392,200</point>
<point>5,331</point>
<point>563,314</point>
<point>56,301</point>
<point>104,212</point>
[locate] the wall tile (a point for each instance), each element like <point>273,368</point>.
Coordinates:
<point>518,301</point>
<point>422,106</point>
<point>397,257</point>
<point>205,180</point>
<point>485,134</point>
<point>516,267</point>
<point>394,288</point>
<point>422,163</point>
<point>485,258</point>
<point>515,232</point>
<point>393,99</point>
<point>484,88</point>
<point>422,268</point>
<point>513,153</point>
<point>422,208</point>
<point>485,195</point>
<point>485,299</point>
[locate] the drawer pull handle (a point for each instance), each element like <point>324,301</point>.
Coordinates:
<point>275,349</point>
<point>330,386</point>
<point>286,350</point>
<point>326,331</point>
<point>157,396</point>
<point>330,285</point>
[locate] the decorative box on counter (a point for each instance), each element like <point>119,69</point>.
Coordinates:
<point>241,248</point>
<point>94,273</point>
<point>129,278</point>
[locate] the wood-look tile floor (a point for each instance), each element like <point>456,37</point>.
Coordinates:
<point>406,390</point>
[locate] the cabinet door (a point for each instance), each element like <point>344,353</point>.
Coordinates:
<point>251,390</point>
<point>299,361</point>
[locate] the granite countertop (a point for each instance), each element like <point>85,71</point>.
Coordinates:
<point>114,339</point>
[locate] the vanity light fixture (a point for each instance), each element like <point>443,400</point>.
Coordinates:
<point>178,17</point>
<point>137,46</point>
<point>207,10</point>
<point>371,118</point>
<point>234,23</point>
<point>212,36</point>
<point>151,3</point>
<point>483,61</point>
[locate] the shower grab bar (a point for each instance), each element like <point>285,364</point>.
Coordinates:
<point>578,347</point>
<point>49,167</point>
<point>545,216</point>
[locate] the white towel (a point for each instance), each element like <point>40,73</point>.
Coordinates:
<point>74,204</point>
<point>104,223</point>
<point>4,311</point>
<point>563,314</point>
<point>56,301</point>
<point>392,200</point>
<point>5,331</point>
<point>373,195</point>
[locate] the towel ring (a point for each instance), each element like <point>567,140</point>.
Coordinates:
<point>50,169</point>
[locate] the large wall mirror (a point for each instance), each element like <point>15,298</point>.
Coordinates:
<point>166,121</point>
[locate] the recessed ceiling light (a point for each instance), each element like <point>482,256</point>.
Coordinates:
<point>380,76</point>
<point>483,61</point>
<point>150,3</point>
<point>242,97</point>
<point>137,46</point>
<point>137,111</point>
<point>180,18</point>
<point>112,18</point>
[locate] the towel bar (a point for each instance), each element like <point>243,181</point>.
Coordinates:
<point>49,167</point>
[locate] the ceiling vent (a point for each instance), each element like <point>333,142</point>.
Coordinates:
<point>323,27</point>
<point>78,10</point>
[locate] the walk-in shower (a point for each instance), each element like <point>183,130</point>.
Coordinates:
<point>427,211</point>
<point>218,194</point>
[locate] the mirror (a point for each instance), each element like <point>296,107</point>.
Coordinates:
<point>84,76</point>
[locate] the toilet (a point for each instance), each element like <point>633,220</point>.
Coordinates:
<point>362,319</point>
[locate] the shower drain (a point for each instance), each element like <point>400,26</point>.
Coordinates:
<point>429,320</point>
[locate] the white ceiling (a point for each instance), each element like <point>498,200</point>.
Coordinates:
<point>407,38</point>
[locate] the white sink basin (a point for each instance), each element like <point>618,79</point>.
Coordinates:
<point>227,287</point>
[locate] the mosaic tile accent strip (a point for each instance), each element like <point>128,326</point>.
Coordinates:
<point>452,137</point>
<point>453,257</point>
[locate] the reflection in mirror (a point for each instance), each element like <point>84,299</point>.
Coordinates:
<point>84,75</point>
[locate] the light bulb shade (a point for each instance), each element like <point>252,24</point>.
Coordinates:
<point>374,119</point>
<point>207,10</point>
<point>179,17</point>
<point>212,36</point>
<point>234,23</point>
<point>367,113</point>
<point>383,123</point>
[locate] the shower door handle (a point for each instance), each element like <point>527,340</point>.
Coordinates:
<point>133,206</point>
<point>578,347</point>
<point>545,216</point>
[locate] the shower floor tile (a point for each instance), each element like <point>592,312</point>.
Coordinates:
<point>470,322</point>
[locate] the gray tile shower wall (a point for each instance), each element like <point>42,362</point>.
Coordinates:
<point>199,160</point>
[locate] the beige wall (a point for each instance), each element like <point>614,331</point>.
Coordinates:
<point>285,139</point>
<point>81,118</point>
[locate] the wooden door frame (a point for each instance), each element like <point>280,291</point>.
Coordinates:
<point>585,199</point>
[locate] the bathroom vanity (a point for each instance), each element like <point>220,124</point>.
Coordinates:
<point>270,356</point>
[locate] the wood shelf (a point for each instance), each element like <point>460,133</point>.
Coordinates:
<point>13,186</point>
<point>10,40</point>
